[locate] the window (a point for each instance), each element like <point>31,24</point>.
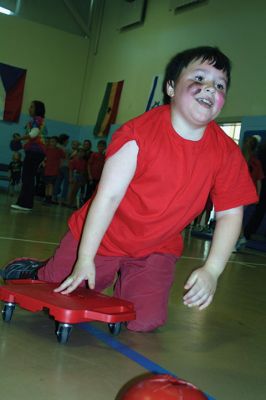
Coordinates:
<point>232,130</point>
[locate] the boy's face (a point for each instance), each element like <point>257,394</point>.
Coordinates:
<point>101,148</point>
<point>53,142</point>
<point>199,94</point>
<point>86,145</point>
<point>75,145</point>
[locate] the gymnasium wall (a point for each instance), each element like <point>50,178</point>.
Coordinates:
<point>72,84</point>
<point>55,63</point>
<point>136,55</point>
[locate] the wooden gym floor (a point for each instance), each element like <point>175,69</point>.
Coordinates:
<point>222,349</point>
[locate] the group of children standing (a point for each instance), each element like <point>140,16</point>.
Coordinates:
<point>64,172</point>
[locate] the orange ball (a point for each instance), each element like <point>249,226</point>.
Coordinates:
<point>162,387</point>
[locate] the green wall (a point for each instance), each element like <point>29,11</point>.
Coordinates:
<point>237,27</point>
<point>72,88</point>
<point>55,63</point>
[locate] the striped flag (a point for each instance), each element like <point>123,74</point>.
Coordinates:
<point>156,95</point>
<point>12,81</point>
<point>109,108</point>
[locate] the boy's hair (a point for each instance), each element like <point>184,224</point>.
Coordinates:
<point>102,142</point>
<point>63,138</point>
<point>39,108</point>
<point>181,60</point>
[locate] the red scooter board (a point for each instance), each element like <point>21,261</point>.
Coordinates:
<point>83,305</point>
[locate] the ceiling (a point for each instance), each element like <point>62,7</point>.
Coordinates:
<point>73,16</point>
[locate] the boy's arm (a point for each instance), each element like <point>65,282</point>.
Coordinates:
<point>202,283</point>
<point>116,177</point>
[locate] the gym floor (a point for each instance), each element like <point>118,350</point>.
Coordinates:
<point>222,349</point>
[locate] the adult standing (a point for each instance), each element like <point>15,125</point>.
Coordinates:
<point>34,148</point>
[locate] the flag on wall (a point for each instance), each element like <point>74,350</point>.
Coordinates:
<point>12,81</point>
<point>109,108</point>
<point>155,98</point>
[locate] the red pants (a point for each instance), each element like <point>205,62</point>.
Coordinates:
<point>145,281</point>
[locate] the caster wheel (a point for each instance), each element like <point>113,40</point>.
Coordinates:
<point>115,328</point>
<point>63,332</point>
<point>7,311</point>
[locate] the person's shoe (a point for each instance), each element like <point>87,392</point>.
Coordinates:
<point>240,244</point>
<point>21,268</point>
<point>17,207</point>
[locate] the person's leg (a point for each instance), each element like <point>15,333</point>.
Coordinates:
<point>60,265</point>
<point>30,166</point>
<point>258,215</point>
<point>146,282</point>
<point>58,183</point>
<point>72,194</point>
<point>106,271</point>
<point>65,172</point>
<point>55,269</point>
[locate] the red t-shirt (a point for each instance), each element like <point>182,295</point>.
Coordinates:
<point>255,169</point>
<point>173,179</point>
<point>78,164</point>
<point>96,164</point>
<point>54,155</point>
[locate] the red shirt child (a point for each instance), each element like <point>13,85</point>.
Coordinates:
<point>96,162</point>
<point>186,172</point>
<point>54,155</point>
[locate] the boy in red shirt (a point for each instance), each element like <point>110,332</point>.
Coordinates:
<point>54,155</point>
<point>95,167</point>
<point>160,168</point>
<point>77,175</point>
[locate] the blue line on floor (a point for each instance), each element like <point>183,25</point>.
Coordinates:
<point>127,351</point>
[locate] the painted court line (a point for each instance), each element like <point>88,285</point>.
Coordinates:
<point>230,261</point>
<point>183,257</point>
<point>127,351</point>
<point>27,240</point>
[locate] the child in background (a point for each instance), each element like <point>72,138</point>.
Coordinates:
<point>75,145</point>
<point>54,155</point>
<point>87,148</point>
<point>256,172</point>
<point>95,168</point>
<point>15,143</point>
<point>77,176</point>
<point>15,168</point>
<point>197,227</point>
<point>62,181</point>
<point>254,165</point>
<point>160,168</point>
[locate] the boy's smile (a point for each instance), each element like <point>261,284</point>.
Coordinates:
<point>199,94</point>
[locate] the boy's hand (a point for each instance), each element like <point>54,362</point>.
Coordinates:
<point>200,288</point>
<point>84,270</point>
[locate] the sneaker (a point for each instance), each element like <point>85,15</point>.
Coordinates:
<point>21,268</point>
<point>17,207</point>
<point>240,244</point>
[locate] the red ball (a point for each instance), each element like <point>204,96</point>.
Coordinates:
<point>162,387</point>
